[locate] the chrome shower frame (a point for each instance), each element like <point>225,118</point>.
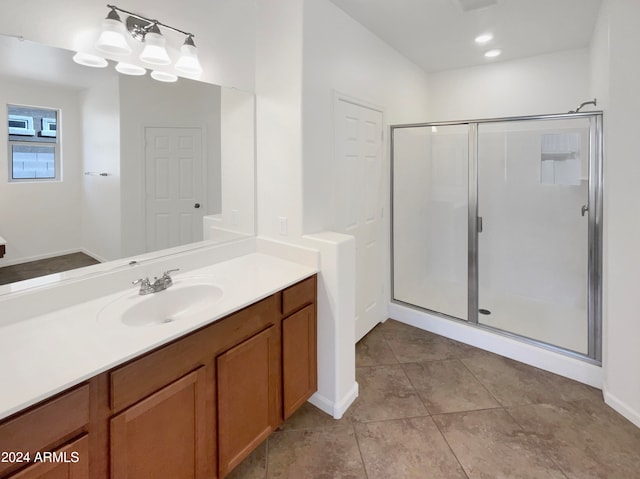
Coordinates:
<point>595,219</point>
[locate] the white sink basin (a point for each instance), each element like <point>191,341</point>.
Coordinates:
<point>186,298</point>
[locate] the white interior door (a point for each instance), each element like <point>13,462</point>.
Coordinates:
<point>360,193</point>
<point>174,182</point>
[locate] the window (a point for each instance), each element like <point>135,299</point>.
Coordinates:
<point>34,152</point>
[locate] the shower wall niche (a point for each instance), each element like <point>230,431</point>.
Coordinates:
<point>498,223</point>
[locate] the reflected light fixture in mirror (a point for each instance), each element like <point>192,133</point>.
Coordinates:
<point>89,60</point>
<point>130,69</point>
<point>164,77</point>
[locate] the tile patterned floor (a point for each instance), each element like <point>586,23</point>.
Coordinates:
<point>430,407</point>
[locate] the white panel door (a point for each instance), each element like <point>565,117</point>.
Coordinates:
<point>174,182</point>
<point>360,196</point>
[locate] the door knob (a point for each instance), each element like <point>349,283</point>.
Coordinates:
<point>584,209</point>
<point>197,205</point>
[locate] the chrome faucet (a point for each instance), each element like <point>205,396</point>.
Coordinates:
<point>159,284</point>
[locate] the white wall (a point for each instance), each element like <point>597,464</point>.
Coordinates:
<point>145,102</point>
<point>42,219</point>
<point>278,117</point>
<point>554,83</point>
<point>224,30</point>
<point>340,55</point>
<point>237,151</point>
<point>100,223</point>
<point>618,34</point>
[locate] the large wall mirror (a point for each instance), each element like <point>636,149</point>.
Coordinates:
<point>141,165</point>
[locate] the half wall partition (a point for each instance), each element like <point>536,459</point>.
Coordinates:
<point>498,223</point>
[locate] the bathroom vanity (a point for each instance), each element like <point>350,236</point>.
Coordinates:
<point>194,406</point>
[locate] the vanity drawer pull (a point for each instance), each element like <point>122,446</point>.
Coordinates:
<point>298,295</point>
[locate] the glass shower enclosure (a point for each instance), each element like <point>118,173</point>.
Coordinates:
<point>498,223</point>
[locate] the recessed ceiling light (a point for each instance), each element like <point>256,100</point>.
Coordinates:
<point>484,38</point>
<point>493,53</point>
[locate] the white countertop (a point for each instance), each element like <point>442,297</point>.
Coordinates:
<point>45,355</point>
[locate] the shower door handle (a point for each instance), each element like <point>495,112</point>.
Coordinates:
<point>584,209</point>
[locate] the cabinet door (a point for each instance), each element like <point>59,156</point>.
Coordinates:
<point>248,396</point>
<point>300,377</point>
<point>163,435</point>
<point>68,462</point>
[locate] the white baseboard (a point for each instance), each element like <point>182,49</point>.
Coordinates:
<point>538,357</point>
<point>338,408</point>
<point>623,408</point>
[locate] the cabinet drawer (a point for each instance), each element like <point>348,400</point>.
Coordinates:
<point>299,295</point>
<point>46,426</point>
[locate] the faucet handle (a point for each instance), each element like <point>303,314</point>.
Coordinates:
<point>167,274</point>
<point>145,285</point>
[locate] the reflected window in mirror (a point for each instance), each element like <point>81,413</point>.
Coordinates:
<point>33,142</point>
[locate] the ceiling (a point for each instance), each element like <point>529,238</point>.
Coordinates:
<point>439,34</point>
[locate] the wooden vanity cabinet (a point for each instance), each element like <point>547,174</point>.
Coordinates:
<point>194,408</point>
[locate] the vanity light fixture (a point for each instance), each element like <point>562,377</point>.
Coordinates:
<point>493,53</point>
<point>154,51</point>
<point>188,61</point>
<point>113,40</point>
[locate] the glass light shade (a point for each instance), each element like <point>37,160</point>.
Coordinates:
<point>188,61</point>
<point>89,60</point>
<point>164,77</point>
<point>154,51</point>
<point>112,39</point>
<point>130,69</point>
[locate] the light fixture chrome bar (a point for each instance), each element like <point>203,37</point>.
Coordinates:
<point>150,21</point>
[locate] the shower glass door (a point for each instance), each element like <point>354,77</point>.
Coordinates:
<point>430,216</point>
<point>533,241</point>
